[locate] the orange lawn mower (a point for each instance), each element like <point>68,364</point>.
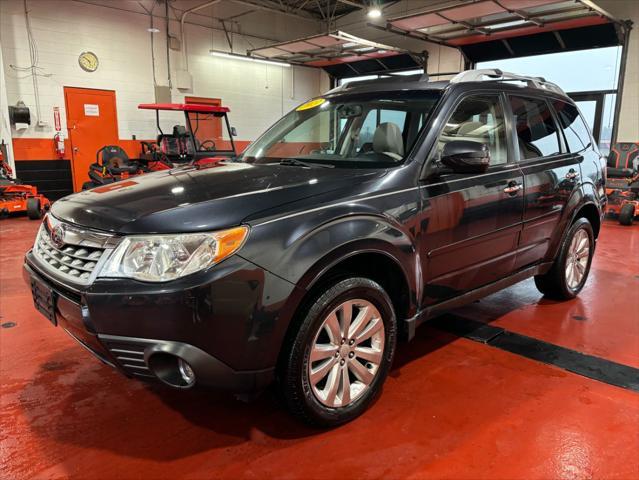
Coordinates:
<point>622,184</point>
<point>196,143</point>
<point>16,197</point>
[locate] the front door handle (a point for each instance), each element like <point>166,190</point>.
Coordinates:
<point>513,188</point>
<point>572,174</point>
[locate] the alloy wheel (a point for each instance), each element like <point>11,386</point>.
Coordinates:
<point>577,259</point>
<point>346,353</point>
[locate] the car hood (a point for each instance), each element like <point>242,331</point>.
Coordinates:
<point>192,199</point>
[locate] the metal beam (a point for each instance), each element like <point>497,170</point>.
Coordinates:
<point>604,13</point>
<point>275,8</point>
<point>627,27</point>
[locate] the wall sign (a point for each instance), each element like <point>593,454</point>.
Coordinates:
<point>91,110</point>
<point>56,119</point>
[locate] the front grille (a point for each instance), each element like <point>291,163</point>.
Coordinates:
<point>79,253</point>
<point>130,356</point>
<point>71,260</point>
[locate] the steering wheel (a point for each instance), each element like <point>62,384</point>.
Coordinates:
<point>209,148</point>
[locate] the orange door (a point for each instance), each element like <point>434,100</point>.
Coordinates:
<point>92,123</point>
<point>209,128</point>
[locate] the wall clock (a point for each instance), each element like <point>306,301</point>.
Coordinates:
<point>88,61</point>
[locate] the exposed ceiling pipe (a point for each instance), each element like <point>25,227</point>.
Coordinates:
<point>183,37</point>
<point>261,6</point>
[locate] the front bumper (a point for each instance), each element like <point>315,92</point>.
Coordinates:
<point>227,323</point>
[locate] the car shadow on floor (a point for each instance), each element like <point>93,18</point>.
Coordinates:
<point>74,400</point>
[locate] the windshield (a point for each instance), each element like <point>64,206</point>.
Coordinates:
<point>211,132</point>
<point>351,131</point>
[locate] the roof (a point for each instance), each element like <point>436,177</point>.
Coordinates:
<point>184,107</point>
<point>471,79</point>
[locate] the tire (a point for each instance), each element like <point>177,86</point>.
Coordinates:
<point>559,283</point>
<point>34,210</point>
<point>312,400</point>
<point>88,185</point>
<point>627,213</point>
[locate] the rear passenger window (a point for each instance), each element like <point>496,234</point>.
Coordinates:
<point>478,118</point>
<point>573,126</point>
<point>536,129</point>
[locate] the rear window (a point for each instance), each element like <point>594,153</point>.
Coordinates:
<point>536,129</point>
<point>573,126</point>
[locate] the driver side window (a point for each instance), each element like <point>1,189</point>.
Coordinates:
<point>478,118</point>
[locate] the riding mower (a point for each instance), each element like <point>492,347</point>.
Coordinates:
<point>184,145</point>
<point>622,184</point>
<point>16,197</point>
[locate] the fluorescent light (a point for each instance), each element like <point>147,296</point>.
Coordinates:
<point>153,30</point>
<point>374,12</point>
<point>244,58</point>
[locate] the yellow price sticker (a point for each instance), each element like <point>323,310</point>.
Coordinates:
<point>310,104</point>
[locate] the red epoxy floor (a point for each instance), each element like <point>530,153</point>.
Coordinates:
<point>452,408</point>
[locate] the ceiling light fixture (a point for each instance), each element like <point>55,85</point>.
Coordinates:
<point>244,58</point>
<point>153,30</point>
<point>374,12</point>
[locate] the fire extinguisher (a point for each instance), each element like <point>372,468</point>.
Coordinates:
<point>58,141</point>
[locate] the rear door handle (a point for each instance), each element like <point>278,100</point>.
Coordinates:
<point>513,188</point>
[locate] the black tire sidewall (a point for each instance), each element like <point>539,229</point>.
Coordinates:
<point>626,214</point>
<point>34,208</point>
<point>580,224</point>
<point>313,409</point>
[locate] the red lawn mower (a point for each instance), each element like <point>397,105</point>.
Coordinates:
<point>622,184</point>
<point>16,197</point>
<point>200,141</point>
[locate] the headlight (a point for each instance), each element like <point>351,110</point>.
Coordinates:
<point>160,258</point>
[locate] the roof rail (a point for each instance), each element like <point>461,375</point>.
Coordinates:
<point>494,74</point>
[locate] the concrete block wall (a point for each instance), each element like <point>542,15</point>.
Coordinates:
<point>257,94</point>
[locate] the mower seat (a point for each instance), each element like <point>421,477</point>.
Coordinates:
<point>178,145</point>
<point>623,159</point>
<point>113,159</point>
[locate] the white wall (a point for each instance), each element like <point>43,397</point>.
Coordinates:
<point>629,118</point>
<point>257,94</point>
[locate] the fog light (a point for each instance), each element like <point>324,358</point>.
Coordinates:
<point>186,372</point>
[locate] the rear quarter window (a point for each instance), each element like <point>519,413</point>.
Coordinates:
<point>573,126</point>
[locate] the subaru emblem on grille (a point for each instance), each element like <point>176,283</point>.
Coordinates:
<point>57,236</point>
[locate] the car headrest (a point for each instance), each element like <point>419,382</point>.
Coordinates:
<point>470,129</point>
<point>388,140</point>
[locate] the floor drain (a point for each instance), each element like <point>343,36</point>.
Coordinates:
<point>8,324</point>
<point>579,317</point>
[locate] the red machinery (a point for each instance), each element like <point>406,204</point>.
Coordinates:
<point>15,197</point>
<point>622,185</point>
<point>200,141</point>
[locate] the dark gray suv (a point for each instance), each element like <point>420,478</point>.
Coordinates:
<point>353,219</point>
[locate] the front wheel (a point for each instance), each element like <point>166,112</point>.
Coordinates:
<point>569,272</point>
<point>335,364</point>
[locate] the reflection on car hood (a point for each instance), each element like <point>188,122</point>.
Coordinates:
<point>193,199</point>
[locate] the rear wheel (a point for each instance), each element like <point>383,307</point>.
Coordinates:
<point>34,209</point>
<point>335,364</point>
<point>569,272</point>
<point>627,213</point>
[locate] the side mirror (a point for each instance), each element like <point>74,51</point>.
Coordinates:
<point>233,132</point>
<point>464,156</point>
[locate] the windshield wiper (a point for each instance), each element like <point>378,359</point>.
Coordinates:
<point>294,162</point>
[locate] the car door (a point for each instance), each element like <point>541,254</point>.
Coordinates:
<point>470,222</point>
<point>551,174</point>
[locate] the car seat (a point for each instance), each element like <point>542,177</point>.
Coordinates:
<point>388,141</point>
